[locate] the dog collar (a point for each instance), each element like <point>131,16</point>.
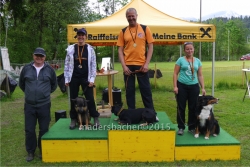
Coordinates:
<point>119,111</point>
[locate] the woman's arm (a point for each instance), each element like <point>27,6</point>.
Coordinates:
<point>201,80</point>
<point>175,76</point>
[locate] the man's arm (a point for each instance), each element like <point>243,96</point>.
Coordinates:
<point>121,57</point>
<point>149,56</point>
<point>53,81</point>
<point>21,80</point>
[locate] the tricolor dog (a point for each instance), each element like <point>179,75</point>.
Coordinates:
<point>206,123</point>
<point>81,107</point>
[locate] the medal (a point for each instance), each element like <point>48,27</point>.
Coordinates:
<point>80,56</point>
<point>134,45</point>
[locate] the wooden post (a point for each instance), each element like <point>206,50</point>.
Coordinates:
<point>243,77</point>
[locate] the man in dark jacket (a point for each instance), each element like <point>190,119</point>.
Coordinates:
<point>37,80</point>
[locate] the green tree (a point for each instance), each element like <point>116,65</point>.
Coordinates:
<point>237,37</point>
<point>46,26</point>
<point>108,7</point>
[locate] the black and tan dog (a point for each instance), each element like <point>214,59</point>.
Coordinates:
<point>206,123</point>
<point>134,116</point>
<point>81,107</point>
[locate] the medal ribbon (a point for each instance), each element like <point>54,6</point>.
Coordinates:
<point>135,33</point>
<point>80,55</point>
<point>192,67</point>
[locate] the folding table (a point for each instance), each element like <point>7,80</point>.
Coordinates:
<point>248,83</point>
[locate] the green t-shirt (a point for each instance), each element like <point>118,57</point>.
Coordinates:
<point>185,74</point>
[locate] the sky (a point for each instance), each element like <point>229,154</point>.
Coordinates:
<point>191,8</point>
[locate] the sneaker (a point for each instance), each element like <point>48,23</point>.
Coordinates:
<point>157,119</point>
<point>192,131</point>
<point>30,157</point>
<point>96,122</point>
<point>180,132</point>
<point>72,124</point>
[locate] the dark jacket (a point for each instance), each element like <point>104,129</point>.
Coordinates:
<point>37,89</point>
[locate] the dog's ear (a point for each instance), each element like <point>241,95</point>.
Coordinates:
<point>114,109</point>
<point>199,100</point>
<point>73,101</point>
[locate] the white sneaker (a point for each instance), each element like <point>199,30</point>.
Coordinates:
<point>157,119</point>
<point>180,132</point>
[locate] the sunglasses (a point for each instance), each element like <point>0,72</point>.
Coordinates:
<point>187,43</point>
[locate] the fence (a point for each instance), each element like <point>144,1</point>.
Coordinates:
<point>230,75</point>
<point>226,76</point>
<point>17,68</point>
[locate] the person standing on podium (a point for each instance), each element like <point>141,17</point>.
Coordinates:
<point>135,59</point>
<point>187,82</point>
<point>80,70</point>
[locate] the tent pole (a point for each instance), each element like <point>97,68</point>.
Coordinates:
<point>113,56</point>
<point>180,51</point>
<point>113,63</point>
<point>200,22</point>
<point>213,68</point>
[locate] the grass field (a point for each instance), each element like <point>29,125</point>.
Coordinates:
<point>232,113</point>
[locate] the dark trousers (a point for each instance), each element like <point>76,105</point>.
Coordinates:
<point>32,115</point>
<point>88,93</point>
<point>144,86</point>
<point>187,93</point>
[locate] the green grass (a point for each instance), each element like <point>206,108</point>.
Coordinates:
<point>232,113</point>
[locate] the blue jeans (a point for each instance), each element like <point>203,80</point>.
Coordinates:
<point>187,93</point>
<point>144,86</point>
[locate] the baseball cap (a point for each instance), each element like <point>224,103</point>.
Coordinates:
<point>82,30</point>
<point>39,51</point>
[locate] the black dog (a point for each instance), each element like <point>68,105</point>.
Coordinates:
<point>134,116</point>
<point>206,123</point>
<point>82,111</point>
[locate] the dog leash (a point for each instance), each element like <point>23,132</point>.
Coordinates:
<point>119,111</point>
<point>178,111</point>
<point>133,73</point>
<point>86,89</point>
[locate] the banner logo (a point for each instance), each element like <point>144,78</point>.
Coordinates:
<point>205,32</point>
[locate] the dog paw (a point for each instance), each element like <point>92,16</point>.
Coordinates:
<point>143,124</point>
<point>196,135</point>
<point>206,138</point>
<point>214,135</point>
<point>80,127</point>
